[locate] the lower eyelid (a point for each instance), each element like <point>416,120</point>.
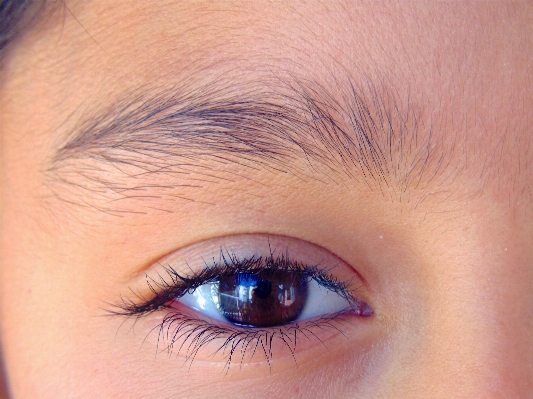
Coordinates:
<point>184,333</point>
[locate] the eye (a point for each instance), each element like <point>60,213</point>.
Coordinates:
<point>269,296</point>
<point>257,295</point>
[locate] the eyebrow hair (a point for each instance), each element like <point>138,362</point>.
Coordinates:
<point>284,125</point>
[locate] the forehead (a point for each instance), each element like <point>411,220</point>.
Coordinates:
<point>458,76</point>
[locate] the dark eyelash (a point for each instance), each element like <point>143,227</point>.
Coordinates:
<point>195,333</point>
<point>165,290</point>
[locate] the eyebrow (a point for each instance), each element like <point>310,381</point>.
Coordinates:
<point>348,132</point>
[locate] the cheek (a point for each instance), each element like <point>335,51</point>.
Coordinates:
<point>129,367</point>
<point>475,328</point>
<point>508,309</point>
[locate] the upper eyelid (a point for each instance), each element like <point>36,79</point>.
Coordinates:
<point>148,291</point>
<point>176,285</point>
<point>162,281</point>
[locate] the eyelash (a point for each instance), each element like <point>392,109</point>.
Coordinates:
<point>197,333</point>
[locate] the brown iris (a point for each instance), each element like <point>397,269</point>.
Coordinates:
<point>262,299</point>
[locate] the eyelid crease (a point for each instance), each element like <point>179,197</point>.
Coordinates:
<point>140,273</point>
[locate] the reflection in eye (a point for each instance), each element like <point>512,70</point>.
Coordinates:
<point>245,301</point>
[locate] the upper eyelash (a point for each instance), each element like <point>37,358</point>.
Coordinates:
<point>165,291</point>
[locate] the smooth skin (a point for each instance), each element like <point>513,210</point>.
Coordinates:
<point>447,265</point>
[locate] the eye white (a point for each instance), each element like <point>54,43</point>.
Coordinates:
<point>321,302</point>
<point>204,300</point>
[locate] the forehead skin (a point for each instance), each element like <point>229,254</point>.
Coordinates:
<point>456,306</point>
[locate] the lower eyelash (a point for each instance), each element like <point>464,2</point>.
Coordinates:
<point>183,333</point>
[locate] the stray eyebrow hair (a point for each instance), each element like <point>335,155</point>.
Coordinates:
<point>283,125</point>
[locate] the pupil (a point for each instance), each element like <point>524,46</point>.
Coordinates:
<point>263,299</point>
<point>263,289</point>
